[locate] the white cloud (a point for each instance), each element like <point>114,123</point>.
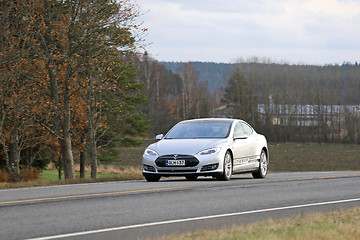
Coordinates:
<point>309,31</point>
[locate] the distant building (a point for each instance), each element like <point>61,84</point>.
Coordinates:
<point>307,115</point>
<point>334,117</point>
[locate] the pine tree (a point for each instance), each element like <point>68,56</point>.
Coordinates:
<point>240,97</point>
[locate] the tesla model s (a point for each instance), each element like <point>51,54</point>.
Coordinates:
<point>217,147</point>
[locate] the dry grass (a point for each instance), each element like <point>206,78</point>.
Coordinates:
<point>105,173</point>
<point>109,168</point>
<point>283,157</point>
<point>331,226</point>
<point>314,157</point>
<point>112,169</point>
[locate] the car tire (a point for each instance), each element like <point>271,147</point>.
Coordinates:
<point>227,168</point>
<point>263,166</point>
<point>152,177</point>
<point>191,177</point>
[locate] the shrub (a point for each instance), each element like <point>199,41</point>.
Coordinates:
<point>4,176</point>
<point>30,174</point>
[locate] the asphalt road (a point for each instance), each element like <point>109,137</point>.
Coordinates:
<point>138,209</point>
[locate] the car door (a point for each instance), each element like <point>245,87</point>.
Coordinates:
<point>244,147</point>
<point>252,141</point>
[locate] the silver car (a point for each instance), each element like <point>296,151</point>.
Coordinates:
<point>217,147</point>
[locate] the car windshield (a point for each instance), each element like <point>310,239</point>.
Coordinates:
<point>199,130</point>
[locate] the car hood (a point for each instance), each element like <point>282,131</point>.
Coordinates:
<point>185,146</point>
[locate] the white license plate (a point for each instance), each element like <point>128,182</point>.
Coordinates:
<point>175,162</point>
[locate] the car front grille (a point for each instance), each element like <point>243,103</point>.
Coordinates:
<point>177,170</point>
<point>190,161</point>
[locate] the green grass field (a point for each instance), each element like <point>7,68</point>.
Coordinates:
<point>53,175</point>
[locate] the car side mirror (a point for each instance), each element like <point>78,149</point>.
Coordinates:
<point>159,136</point>
<point>241,136</point>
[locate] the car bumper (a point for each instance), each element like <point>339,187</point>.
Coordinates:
<point>209,165</point>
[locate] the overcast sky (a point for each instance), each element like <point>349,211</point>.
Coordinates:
<point>295,31</point>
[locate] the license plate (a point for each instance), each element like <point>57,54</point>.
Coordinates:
<point>175,162</point>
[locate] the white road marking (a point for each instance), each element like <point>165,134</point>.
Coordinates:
<point>193,219</point>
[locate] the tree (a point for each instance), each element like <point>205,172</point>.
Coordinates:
<point>241,97</point>
<point>69,45</point>
<point>189,77</point>
<point>195,96</point>
<point>105,40</point>
<point>162,88</point>
<point>122,110</point>
<point>20,96</point>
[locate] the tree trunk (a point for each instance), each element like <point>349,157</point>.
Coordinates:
<point>93,159</point>
<point>67,157</point>
<point>82,164</point>
<point>15,160</point>
<point>92,129</point>
<point>60,163</point>
<point>3,141</point>
<point>183,105</point>
<point>92,144</point>
<point>15,151</point>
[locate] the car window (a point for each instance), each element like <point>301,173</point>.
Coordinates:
<point>238,130</point>
<point>247,129</point>
<point>192,130</point>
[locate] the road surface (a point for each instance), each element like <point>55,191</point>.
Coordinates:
<point>138,209</point>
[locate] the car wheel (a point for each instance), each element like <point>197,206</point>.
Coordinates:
<point>263,166</point>
<point>152,177</point>
<point>227,168</point>
<point>191,177</point>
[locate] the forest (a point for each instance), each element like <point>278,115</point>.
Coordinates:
<point>285,102</point>
<point>75,85</point>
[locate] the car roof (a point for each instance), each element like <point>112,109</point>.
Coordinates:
<point>200,120</point>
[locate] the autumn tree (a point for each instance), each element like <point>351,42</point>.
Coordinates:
<point>50,23</point>
<point>106,37</point>
<point>82,49</point>
<point>20,97</point>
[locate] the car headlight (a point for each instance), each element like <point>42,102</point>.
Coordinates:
<point>209,151</point>
<point>150,152</point>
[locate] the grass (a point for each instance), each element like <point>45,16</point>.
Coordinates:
<point>53,175</point>
<point>286,157</point>
<point>314,157</point>
<point>105,173</point>
<point>283,157</point>
<point>331,226</point>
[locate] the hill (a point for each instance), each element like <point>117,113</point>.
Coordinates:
<point>341,81</point>
<point>216,74</point>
